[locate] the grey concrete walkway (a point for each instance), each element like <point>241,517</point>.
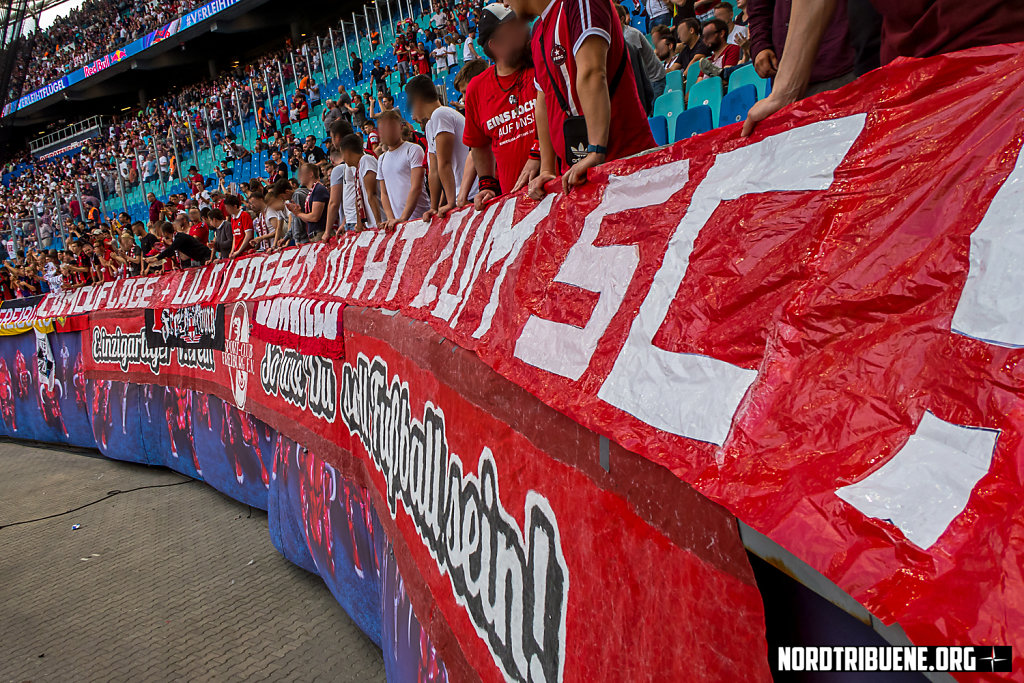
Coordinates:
<point>171,583</point>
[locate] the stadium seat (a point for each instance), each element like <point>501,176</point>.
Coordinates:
<point>669,104</point>
<point>674,81</point>
<point>639,23</point>
<point>746,75</point>
<point>708,92</point>
<point>736,104</point>
<point>659,129</point>
<point>692,74</point>
<point>693,121</point>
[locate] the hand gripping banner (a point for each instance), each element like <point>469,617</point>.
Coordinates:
<point>818,327</point>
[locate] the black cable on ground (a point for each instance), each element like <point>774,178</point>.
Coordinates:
<point>110,494</point>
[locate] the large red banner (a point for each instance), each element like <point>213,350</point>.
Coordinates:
<point>486,509</point>
<point>819,327</point>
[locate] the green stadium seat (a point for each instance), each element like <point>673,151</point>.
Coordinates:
<point>674,81</point>
<point>707,92</point>
<point>692,74</point>
<point>746,75</point>
<point>669,105</point>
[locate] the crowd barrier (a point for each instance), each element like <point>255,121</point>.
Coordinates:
<point>817,328</point>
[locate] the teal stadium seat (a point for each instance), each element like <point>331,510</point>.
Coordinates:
<point>707,92</point>
<point>746,75</point>
<point>736,104</point>
<point>669,106</point>
<point>659,129</point>
<point>692,73</point>
<point>693,121</point>
<point>674,81</point>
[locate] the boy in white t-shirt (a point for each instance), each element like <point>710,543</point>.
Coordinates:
<point>276,216</point>
<point>401,172</point>
<point>367,202</point>
<point>446,151</point>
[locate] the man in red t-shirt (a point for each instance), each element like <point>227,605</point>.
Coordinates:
<point>197,226</point>
<point>584,82</point>
<point>422,60</point>
<point>156,207</point>
<point>195,181</point>
<point>715,35</point>
<point>241,226</point>
<point>402,57</point>
<point>500,124</point>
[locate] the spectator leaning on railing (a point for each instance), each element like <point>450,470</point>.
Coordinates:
<point>584,82</point>
<point>506,156</point>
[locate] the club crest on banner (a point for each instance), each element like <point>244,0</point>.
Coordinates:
<point>237,354</point>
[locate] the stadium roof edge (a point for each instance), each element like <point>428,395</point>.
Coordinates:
<point>134,55</point>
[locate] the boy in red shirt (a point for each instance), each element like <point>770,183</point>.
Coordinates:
<point>241,226</point>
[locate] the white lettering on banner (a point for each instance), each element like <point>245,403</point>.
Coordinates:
<point>992,301</point>
<point>506,244</point>
<point>266,275</point>
<point>410,232</point>
<point>284,265</point>
<point>927,484</point>
<point>306,382</point>
<point>447,301</point>
<point>686,393</point>
<point>344,285</point>
<point>374,269</point>
<point>300,316</point>
<point>428,291</point>
<point>125,349</point>
<point>564,349</point>
<point>514,585</point>
<point>237,278</point>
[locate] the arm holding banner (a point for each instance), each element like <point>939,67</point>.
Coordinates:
<point>808,21</point>
<point>548,161</point>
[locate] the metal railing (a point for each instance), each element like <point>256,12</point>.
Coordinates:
<point>65,133</point>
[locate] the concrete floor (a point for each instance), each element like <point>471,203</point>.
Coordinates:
<point>171,583</point>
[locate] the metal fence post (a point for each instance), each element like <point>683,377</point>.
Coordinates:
<point>81,204</point>
<point>120,185</point>
<point>99,190</point>
<point>323,62</point>
<point>35,221</point>
<point>334,53</point>
<point>241,119</point>
<point>280,74</point>
<point>60,222</point>
<point>355,32</point>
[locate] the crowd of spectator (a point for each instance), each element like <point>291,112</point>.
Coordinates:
<point>523,119</point>
<point>95,29</point>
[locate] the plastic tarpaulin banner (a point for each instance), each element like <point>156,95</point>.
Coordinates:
<point>818,327</point>
<point>320,520</point>
<point>477,509</point>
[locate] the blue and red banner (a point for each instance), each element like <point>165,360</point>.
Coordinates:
<point>817,327</point>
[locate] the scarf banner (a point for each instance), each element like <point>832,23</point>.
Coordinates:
<point>189,327</point>
<point>18,316</point>
<point>818,327</point>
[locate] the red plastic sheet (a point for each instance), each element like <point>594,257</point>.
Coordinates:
<point>771,319</point>
<point>506,539</point>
